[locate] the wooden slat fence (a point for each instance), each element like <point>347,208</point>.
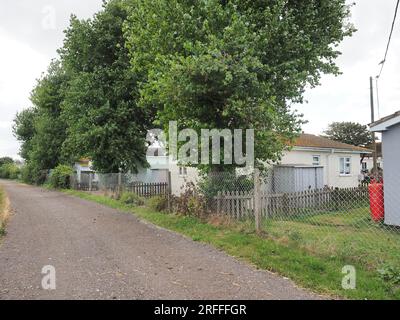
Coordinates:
<point>148,190</point>
<point>241,204</point>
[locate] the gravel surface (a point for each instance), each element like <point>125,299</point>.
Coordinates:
<point>101,253</point>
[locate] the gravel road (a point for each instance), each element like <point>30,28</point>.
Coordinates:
<point>101,253</point>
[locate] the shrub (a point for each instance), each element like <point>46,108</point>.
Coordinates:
<point>190,202</point>
<point>60,177</point>
<point>9,171</point>
<point>26,174</point>
<point>158,203</point>
<point>210,185</point>
<point>130,198</point>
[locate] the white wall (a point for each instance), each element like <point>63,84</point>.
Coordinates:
<point>179,182</point>
<point>370,163</point>
<point>331,163</point>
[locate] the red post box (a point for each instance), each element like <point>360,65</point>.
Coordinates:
<point>376,200</point>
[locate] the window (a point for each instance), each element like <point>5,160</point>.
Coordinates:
<point>345,166</point>
<point>182,171</point>
<point>316,160</point>
<point>364,166</point>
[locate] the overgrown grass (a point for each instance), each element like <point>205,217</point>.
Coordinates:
<point>284,251</point>
<point>348,234</point>
<point>3,212</point>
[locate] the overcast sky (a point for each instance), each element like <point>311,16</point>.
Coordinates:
<point>32,31</point>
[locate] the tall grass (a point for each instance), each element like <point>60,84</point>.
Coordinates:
<point>3,212</point>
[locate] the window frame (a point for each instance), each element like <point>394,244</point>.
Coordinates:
<point>183,172</point>
<point>346,160</point>
<point>314,163</point>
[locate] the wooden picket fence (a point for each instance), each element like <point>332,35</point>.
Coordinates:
<point>147,190</point>
<point>241,204</point>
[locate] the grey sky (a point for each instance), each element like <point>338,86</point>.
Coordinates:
<point>31,32</point>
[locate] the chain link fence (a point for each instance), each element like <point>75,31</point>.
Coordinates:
<point>290,206</point>
<point>347,222</point>
<point>147,184</point>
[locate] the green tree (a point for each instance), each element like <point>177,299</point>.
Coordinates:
<point>24,130</point>
<point>100,108</point>
<point>234,64</point>
<point>41,129</point>
<point>349,132</point>
<point>6,160</point>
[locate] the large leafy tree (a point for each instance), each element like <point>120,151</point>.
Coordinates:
<point>6,160</point>
<point>50,129</point>
<point>104,121</point>
<point>234,63</point>
<point>41,129</point>
<point>24,130</point>
<point>349,132</point>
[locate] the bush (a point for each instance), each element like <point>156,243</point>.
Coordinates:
<point>130,198</point>
<point>190,202</point>
<point>9,171</point>
<point>210,185</point>
<point>60,177</point>
<point>158,203</point>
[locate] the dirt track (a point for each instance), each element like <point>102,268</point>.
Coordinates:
<point>101,253</point>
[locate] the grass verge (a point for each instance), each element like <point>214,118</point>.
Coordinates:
<point>4,211</point>
<point>320,273</point>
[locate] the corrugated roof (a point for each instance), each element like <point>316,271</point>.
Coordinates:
<point>313,141</point>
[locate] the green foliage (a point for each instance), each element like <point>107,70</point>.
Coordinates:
<point>27,174</point>
<point>210,185</point>
<point>24,130</point>
<point>6,160</point>
<point>30,174</point>
<point>40,129</point>
<point>130,198</point>
<point>234,64</point>
<point>189,202</point>
<point>104,121</point>
<point>9,171</point>
<point>209,64</point>
<point>60,177</point>
<point>158,204</point>
<point>390,273</point>
<point>350,133</point>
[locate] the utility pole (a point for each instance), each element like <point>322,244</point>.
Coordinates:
<point>374,155</point>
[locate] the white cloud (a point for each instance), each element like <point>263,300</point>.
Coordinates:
<point>20,65</point>
<point>346,97</point>
<point>27,47</point>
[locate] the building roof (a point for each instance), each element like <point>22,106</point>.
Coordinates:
<point>386,122</point>
<point>312,141</point>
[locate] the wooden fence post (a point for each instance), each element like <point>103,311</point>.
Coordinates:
<point>257,199</point>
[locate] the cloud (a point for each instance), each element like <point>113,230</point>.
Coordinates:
<point>346,97</point>
<point>30,34</point>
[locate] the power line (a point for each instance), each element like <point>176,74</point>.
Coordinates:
<point>382,63</point>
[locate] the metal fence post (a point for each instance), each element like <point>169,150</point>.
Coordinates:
<point>169,191</point>
<point>119,184</point>
<point>257,199</point>
<point>90,182</point>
